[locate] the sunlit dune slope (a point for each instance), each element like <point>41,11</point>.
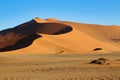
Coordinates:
<point>52,36</point>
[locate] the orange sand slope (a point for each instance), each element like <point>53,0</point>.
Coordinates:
<point>54,36</point>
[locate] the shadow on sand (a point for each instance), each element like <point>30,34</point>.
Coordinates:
<point>25,42</point>
<point>30,30</point>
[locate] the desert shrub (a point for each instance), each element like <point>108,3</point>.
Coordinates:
<point>96,49</point>
<point>100,61</point>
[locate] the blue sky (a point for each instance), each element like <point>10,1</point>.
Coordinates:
<point>15,12</point>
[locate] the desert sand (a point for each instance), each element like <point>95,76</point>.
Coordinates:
<point>50,49</point>
<point>58,67</point>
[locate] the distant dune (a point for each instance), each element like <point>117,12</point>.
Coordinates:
<point>52,36</point>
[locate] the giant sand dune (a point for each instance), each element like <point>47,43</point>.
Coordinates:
<point>52,36</point>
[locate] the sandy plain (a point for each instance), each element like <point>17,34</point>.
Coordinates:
<point>58,67</point>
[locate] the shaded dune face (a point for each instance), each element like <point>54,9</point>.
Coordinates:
<point>25,42</point>
<point>53,28</point>
<point>16,38</point>
<point>32,27</point>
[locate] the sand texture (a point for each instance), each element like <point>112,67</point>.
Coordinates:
<point>58,67</point>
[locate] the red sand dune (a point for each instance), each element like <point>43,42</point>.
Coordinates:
<point>54,36</point>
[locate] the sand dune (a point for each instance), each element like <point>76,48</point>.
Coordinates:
<point>54,36</point>
<point>51,49</point>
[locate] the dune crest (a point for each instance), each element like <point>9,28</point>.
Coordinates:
<point>52,19</point>
<point>54,36</point>
<point>39,20</point>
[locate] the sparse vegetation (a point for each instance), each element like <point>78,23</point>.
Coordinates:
<point>100,61</point>
<point>96,49</point>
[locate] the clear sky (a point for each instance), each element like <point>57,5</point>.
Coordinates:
<point>15,12</point>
